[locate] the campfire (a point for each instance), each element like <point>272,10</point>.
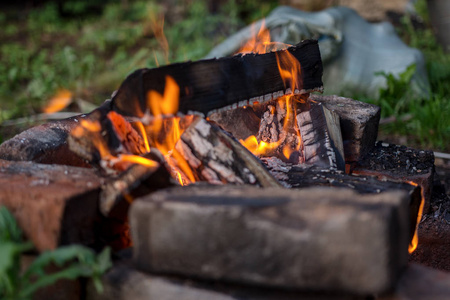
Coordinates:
<point>231,170</point>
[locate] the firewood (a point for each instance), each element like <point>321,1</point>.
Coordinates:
<point>400,163</point>
<point>321,136</point>
<point>359,124</point>
<point>209,85</point>
<point>58,205</point>
<point>46,144</point>
<point>240,122</point>
<point>138,180</point>
<point>216,157</point>
<point>105,133</point>
<point>305,176</point>
<point>326,239</point>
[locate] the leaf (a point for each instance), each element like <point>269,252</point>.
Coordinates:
<point>59,257</point>
<point>9,230</point>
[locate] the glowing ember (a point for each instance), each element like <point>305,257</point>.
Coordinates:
<point>58,102</point>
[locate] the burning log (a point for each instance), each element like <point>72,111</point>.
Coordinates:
<point>218,158</point>
<point>359,124</point>
<point>137,181</point>
<point>209,85</point>
<point>57,205</point>
<point>104,133</point>
<point>316,239</point>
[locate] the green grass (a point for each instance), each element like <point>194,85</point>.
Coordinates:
<point>91,53</point>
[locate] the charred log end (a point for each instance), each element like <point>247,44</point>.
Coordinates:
<point>359,124</point>
<point>321,136</point>
<point>46,144</point>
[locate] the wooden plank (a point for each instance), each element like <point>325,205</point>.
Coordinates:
<point>324,239</point>
<point>54,205</point>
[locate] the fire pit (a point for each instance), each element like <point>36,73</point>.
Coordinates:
<point>286,194</point>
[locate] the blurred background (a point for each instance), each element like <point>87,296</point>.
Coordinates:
<point>80,51</point>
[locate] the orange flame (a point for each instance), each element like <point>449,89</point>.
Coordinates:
<point>290,71</point>
<point>120,161</point>
<point>59,101</point>
<point>261,41</point>
<point>415,240</point>
<point>164,131</point>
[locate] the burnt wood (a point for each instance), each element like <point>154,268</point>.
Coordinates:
<point>359,124</point>
<point>208,85</point>
<point>304,176</point>
<point>400,163</point>
<point>216,157</point>
<point>136,181</point>
<point>321,136</point>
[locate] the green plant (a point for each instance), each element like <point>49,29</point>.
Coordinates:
<point>394,99</point>
<point>73,261</point>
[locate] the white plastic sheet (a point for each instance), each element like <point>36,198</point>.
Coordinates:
<point>353,50</point>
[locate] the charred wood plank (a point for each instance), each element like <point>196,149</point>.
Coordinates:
<point>359,124</point>
<point>216,157</point>
<point>57,205</point>
<point>321,136</point>
<point>400,163</point>
<point>324,239</point>
<point>209,85</point>
<point>305,176</point>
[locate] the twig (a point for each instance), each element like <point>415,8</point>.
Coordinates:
<point>39,117</point>
<point>393,119</point>
<point>442,155</point>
